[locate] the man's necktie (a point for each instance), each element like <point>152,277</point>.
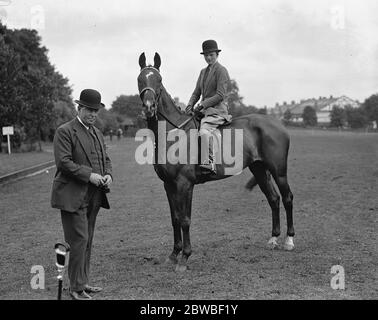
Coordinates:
<point>91,131</point>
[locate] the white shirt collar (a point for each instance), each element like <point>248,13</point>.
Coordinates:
<point>211,66</point>
<point>86,127</point>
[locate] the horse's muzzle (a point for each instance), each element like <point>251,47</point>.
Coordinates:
<point>149,103</point>
<point>149,108</point>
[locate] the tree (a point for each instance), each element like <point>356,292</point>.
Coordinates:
<point>63,112</point>
<point>40,107</point>
<point>309,116</point>
<point>287,116</point>
<point>356,117</point>
<point>233,100</point>
<point>370,106</point>
<point>107,120</point>
<point>29,84</point>
<point>338,117</point>
<point>130,106</point>
<point>262,110</point>
<point>236,107</point>
<point>10,98</point>
<point>250,109</point>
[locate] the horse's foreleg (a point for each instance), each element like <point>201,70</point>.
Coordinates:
<point>177,245</point>
<point>187,249</point>
<point>184,203</point>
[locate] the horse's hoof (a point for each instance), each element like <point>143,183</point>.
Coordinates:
<point>289,244</point>
<point>181,268</point>
<point>272,243</point>
<point>171,260</point>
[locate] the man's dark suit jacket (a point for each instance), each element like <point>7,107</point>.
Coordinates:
<point>72,147</point>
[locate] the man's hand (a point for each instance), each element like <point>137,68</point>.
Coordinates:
<point>96,179</point>
<point>107,180</point>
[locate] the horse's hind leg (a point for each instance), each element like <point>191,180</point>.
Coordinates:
<point>264,181</point>
<point>177,246</point>
<point>287,199</point>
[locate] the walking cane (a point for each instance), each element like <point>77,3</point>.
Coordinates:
<point>61,250</point>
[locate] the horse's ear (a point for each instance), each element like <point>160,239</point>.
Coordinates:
<point>157,61</point>
<point>142,60</point>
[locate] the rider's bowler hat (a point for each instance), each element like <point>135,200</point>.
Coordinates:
<point>209,46</point>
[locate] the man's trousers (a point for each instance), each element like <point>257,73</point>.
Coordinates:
<point>78,230</point>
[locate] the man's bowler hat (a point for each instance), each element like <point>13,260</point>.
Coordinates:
<point>209,46</point>
<point>91,99</point>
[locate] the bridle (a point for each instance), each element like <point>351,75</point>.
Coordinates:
<point>157,96</point>
<point>149,88</point>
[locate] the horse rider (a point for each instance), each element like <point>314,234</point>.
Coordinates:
<point>82,179</point>
<point>212,85</point>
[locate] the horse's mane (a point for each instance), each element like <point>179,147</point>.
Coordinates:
<point>173,101</point>
<point>169,96</point>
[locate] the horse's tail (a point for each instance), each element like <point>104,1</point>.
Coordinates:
<point>251,184</point>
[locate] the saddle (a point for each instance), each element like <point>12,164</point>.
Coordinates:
<point>198,116</point>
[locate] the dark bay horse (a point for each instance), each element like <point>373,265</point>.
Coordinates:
<point>265,147</point>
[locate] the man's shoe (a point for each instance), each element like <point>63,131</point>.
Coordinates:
<point>80,295</point>
<point>90,289</point>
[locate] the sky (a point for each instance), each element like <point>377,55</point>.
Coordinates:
<point>276,50</point>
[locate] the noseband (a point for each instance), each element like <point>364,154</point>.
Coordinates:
<point>145,89</point>
<point>156,95</point>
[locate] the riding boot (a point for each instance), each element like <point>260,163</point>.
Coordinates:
<point>209,164</point>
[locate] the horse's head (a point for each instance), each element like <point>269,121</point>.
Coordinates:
<point>149,84</point>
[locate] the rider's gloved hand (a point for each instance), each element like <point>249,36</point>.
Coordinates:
<point>189,109</point>
<point>198,114</point>
<point>198,108</point>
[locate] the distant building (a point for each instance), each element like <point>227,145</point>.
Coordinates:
<point>279,110</point>
<point>323,107</point>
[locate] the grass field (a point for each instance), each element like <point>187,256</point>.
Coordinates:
<point>18,161</point>
<point>334,180</point>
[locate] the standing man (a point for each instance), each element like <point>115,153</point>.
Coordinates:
<point>80,185</point>
<point>212,86</point>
